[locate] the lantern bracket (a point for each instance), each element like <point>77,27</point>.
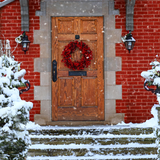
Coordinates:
<point>129,14</point>
<point>24,15</point>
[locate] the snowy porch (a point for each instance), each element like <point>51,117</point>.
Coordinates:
<point>122,141</point>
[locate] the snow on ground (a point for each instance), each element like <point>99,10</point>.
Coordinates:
<point>153,122</point>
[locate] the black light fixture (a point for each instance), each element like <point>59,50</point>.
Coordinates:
<point>129,42</point>
<point>25,42</point>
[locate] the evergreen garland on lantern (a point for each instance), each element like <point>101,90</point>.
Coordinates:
<point>85,60</point>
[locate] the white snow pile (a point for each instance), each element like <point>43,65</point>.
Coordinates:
<point>14,112</point>
<point>32,125</point>
<point>153,122</point>
<point>153,75</point>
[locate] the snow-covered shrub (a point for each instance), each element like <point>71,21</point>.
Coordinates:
<point>14,112</point>
<point>153,76</point>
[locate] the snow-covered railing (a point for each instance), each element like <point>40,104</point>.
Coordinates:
<point>27,84</point>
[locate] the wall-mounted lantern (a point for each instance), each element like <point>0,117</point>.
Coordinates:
<point>128,41</point>
<point>25,42</point>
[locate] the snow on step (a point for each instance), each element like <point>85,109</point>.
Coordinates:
<point>133,141</point>
<point>119,157</point>
<point>125,143</point>
<point>95,136</point>
<point>96,147</point>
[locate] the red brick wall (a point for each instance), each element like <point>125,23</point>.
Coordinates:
<point>11,28</point>
<point>136,102</point>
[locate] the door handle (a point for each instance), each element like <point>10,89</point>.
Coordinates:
<point>54,70</point>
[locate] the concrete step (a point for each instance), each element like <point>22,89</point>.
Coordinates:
<point>92,141</point>
<point>84,142</point>
<point>86,150</point>
<point>76,131</point>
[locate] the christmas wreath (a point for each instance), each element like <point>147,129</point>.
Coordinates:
<point>85,60</point>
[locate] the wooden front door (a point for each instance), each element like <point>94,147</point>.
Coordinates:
<point>78,98</point>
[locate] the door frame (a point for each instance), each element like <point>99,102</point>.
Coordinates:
<point>52,8</point>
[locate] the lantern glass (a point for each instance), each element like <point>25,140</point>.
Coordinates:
<point>25,46</point>
<point>129,44</point>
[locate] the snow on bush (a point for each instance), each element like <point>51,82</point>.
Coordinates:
<point>14,112</point>
<point>153,76</point>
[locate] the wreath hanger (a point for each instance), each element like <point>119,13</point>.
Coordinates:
<point>77,36</point>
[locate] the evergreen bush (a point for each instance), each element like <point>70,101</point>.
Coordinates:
<point>14,112</point>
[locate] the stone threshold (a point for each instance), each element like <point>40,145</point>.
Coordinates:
<point>77,123</point>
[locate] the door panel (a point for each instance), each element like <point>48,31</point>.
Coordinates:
<point>78,98</point>
<point>66,26</point>
<point>88,26</point>
<point>66,94</point>
<point>89,86</point>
